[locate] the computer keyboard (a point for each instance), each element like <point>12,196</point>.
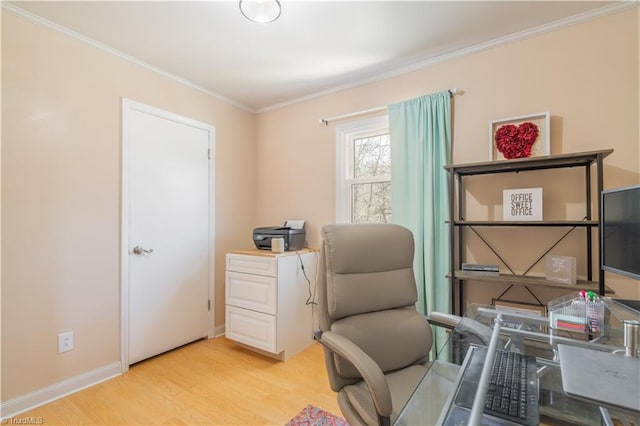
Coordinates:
<point>513,388</point>
<point>507,393</point>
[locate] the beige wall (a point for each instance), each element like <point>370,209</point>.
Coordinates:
<point>61,196</point>
<point>586,75</point>
<point>61,165</point>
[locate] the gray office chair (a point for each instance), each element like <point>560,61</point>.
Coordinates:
<point>376,343</point>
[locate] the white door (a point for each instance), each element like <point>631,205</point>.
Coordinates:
<point>166,181</point>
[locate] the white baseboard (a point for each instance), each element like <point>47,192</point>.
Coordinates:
<point>219,330</point>
<point>50,393</point>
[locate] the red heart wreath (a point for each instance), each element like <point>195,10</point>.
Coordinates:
<point>516,141</point>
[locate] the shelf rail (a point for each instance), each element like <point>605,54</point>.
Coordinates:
<point>457,172</point>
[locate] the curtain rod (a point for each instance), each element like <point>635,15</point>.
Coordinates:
<point>326,121</point>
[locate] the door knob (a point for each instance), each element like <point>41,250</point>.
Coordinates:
<point>140,250</point>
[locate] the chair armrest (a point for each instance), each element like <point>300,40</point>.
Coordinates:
<point>366,366</point>
<point>463,324</point>
<point>441,319</point>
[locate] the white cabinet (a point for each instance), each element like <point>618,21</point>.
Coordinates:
<point>267,296</point>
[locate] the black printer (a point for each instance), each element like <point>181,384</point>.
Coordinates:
<point>293,238</point>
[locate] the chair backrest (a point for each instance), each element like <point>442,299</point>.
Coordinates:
<point>367,292</point>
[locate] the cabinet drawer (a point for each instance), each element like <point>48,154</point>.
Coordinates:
<point>252,264</point>
<point>251,328</point>
<point>255,292</point>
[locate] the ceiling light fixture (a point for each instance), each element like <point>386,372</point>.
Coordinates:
<point>261,11</point>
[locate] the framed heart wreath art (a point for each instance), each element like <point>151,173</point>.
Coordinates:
<point>519,137</point>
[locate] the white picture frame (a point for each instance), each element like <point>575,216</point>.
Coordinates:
<point>542,145</point>
<point>522,204</point>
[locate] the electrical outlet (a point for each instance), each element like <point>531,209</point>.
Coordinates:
<point>65,342</point>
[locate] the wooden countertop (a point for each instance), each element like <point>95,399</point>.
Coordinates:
<point>269,253</point>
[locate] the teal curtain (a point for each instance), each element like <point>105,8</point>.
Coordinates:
<point>420,132</point>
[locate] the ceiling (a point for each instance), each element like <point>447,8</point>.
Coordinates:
<point>315,47</point>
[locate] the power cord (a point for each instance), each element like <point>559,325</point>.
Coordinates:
<point>316,327</point>
<point>311,300</point>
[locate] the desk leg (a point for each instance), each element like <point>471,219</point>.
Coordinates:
<point>606,418</point>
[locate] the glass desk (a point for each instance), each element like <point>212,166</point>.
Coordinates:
<point>530,335</point>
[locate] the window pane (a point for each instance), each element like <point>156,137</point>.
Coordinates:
<point>372,156</point>
<point>371,202</point>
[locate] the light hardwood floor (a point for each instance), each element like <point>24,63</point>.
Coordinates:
<point>212,382</point>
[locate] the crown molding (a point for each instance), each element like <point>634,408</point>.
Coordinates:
<point>541,29</point>
<point>93,43</point>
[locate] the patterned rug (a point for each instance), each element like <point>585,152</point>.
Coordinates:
<point>314,416</point>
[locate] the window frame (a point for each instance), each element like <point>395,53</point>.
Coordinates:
<point>345,136</point>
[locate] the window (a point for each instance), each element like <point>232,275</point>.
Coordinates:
<point>364,172</point>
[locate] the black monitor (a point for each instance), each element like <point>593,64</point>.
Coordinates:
<point>620,231</point>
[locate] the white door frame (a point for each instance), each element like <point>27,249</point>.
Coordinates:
<point>128,106</point>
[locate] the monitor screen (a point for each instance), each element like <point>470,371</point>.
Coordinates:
<point>620,231</point>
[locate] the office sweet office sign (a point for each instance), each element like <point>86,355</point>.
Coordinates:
<point>522,204</point>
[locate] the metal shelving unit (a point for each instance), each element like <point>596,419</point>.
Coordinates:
<point>457,173</point>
